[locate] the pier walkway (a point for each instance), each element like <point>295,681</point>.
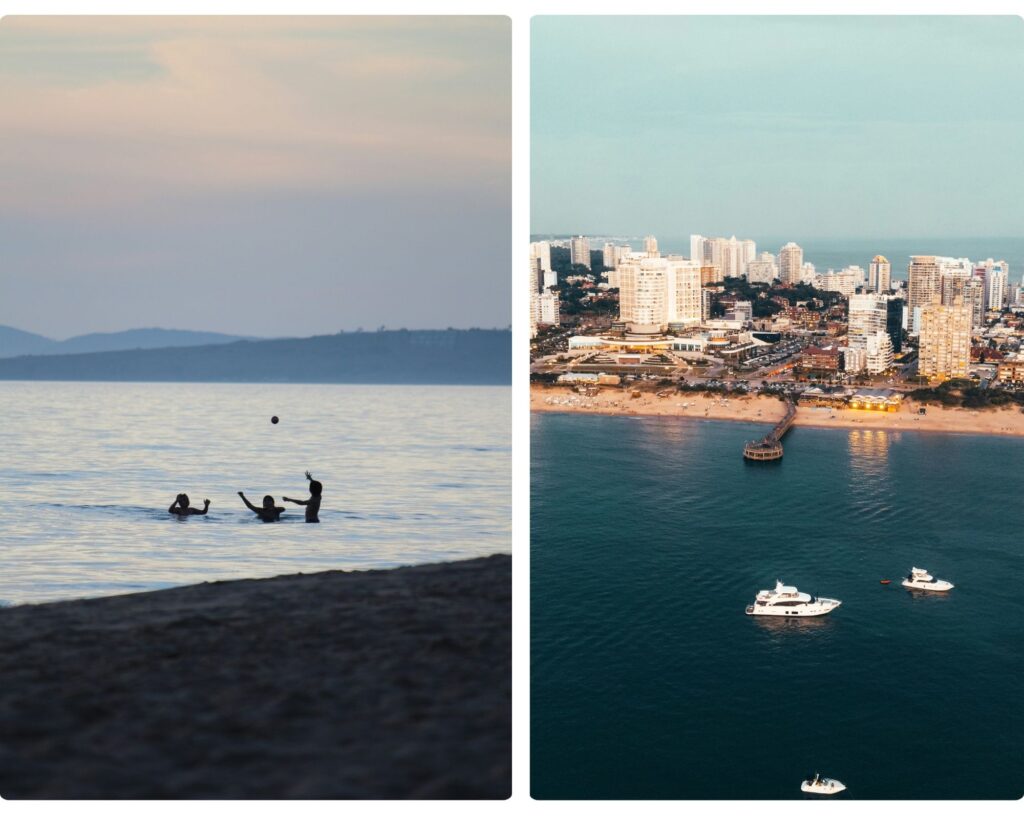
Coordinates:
<point>769,448</point>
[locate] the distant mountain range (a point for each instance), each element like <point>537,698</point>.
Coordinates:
<point>15,342</point>
<point>383,357</point>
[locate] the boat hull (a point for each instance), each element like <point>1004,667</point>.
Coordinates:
<point>827,787</point>
<point>922,585</point>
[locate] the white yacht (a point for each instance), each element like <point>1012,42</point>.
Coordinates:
<point>786,601</point>
<point>920,579</point>
<point>822,785</point>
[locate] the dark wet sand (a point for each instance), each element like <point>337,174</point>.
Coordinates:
<point>379,684</point>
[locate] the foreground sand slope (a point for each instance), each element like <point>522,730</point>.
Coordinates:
<point>768,410</point>
<point>382,684</point>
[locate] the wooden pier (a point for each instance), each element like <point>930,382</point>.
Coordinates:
<point>769,448</point>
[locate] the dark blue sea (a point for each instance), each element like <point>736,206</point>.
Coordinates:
<point>650,535</point>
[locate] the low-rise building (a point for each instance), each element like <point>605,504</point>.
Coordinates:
<point>824,397</point>
<point>876,399</point>
<point>1011,368</point>
<point>827,360</point>
<point>855,359</point>
<point>579,378</point>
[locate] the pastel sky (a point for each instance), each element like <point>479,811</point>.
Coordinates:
<point>263,176</point>
<point>778,126</point>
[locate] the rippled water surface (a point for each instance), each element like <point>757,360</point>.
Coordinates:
<point>649,536</point>
<point>87,471</point>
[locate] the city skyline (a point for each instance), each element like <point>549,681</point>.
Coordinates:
<point>774,126</point>
<point>266,176</point>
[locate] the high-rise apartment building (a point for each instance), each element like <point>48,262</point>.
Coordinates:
<point>894,322</point>
<point>924,281</point>
<point>996,275</point>
<point>791,261</point>
<point>534,293</point>
<point>945,343</point>
<point>707,301</point>
<point>925,277</point>
<point>608,255</point>
<point>542,251</point>
<point>763,269</point>
<point>748,253</point>
<point>549,308</point>
<point>579,251</point>
<point>611,253</point>
<point>860,278</point>
<point>973,292</point>
<point>540,255</point>
<point>731,256</point>
<point>879,275</point>
<point>845,281</point>
<point>715,253</point>
<point>655,291</point>
<point>867,314</point>
<point>867,331</point>
<point>878,352</point>
<point>650,245</point>
<point>696,248</point>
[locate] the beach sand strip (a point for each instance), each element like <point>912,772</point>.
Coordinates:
<point>759,409</point>
<point>373,684</point>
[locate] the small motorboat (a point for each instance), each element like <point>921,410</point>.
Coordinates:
<point>921,580</point>
<point>822,785</point>
<point>885,582</point>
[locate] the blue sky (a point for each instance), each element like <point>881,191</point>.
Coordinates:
<point>254,175</point>
<point>778,126</point>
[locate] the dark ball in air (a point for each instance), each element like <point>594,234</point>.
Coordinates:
<point>274,419</point>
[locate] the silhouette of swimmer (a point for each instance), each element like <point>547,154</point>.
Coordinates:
<point>313,504</point>
<point>181,507</point>
<point>268,513</point>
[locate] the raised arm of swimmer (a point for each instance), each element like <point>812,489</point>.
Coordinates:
<point>268,513</point>
<point>245,500</point>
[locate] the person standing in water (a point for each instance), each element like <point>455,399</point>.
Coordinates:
<point>180,506</point>
<point>268,513</point>
<point>313,504</point>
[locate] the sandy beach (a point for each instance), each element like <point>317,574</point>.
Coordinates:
<point>768,410</point>
<point>376,684</point>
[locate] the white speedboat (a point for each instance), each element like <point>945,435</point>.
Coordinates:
<point>822,785</point>
<point>786,601</point>
<point>920,579</point>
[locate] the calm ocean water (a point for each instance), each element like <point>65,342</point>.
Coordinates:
<point>649,536</point>
<point>87,471</point>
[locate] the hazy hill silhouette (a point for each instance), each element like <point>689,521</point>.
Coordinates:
<point>384,357</point>
<point>14,342</point>
<point>18,342</point>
